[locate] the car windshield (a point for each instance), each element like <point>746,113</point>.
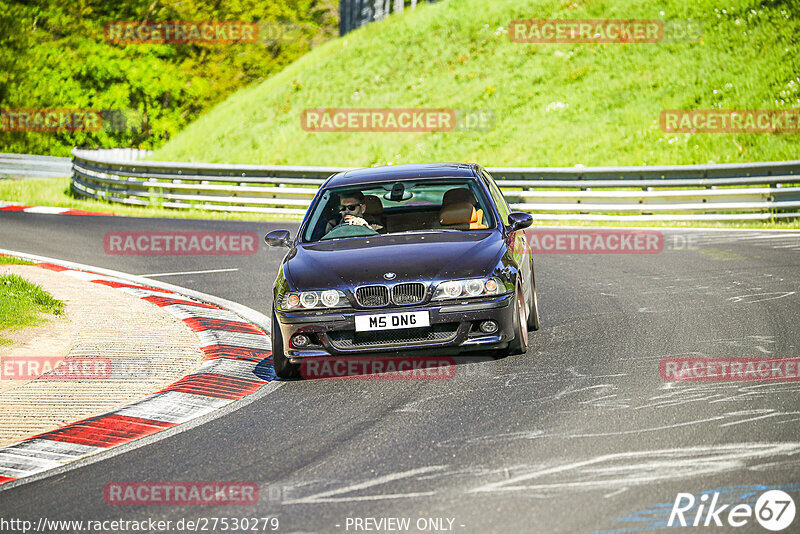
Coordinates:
<point>398,207</point>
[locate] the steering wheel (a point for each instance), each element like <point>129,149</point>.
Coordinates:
<point>349,230</point>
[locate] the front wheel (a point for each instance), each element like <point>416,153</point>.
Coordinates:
<point>283,367</point>
<point>519,345</point>
<point>533,315</point>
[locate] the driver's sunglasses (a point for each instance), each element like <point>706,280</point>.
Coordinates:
<point>348,207</point>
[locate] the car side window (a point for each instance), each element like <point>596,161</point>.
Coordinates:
<point>497,196</point>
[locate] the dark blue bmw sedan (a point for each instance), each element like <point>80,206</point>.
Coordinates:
<point>404,259</point>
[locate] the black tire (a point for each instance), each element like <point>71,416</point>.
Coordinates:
<point>519,345</point>
<point>283,367</point>
<point>533,313</point>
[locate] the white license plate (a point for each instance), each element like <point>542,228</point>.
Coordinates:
<point>392,321</point>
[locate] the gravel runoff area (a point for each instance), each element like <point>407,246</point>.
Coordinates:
<point>124,347</point>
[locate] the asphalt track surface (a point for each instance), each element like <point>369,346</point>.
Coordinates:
<point>580,434</point>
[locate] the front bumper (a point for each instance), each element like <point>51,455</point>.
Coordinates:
<point>453,328</point>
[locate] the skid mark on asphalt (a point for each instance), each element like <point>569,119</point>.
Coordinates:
<point>611,474</point>
<point>338,494</point>
<point>672,290</point>
<point>757,342</point>
<point>760,297</point>
<point>764,413</point>
<point>580,383</point>
<point>627,469</point>
<point>540,434</point>
<point>493,438</point>
<point>715,254</point>
<point>610,397</point>
<point>681,393</point>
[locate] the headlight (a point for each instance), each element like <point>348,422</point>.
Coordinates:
<point>451,289</point>
<point>474,287</point>
<point>330,298</point>
<point>310,300</point>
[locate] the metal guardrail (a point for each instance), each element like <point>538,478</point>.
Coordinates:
<point>743,191</point>
<point>356,13</point>
<point>30,166</point>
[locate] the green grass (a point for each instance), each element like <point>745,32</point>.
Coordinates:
<point>56,192</point>
<point>23,303</point>
<point>8,260</point>
<point>456,54</point>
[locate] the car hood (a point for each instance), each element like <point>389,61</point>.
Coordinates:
<point>418,256</point>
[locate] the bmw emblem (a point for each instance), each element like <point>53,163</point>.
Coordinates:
<point>390,276</point>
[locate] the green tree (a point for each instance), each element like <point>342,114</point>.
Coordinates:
<point>55,55</point>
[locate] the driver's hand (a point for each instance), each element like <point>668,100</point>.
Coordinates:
<point>356,220</point>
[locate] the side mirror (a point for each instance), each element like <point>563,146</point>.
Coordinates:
<point>519,220</point>
<point>278,238</point>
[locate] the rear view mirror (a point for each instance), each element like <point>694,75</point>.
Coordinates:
<point>398,193</point>
<point>519,220</point>
<point>278,238</point>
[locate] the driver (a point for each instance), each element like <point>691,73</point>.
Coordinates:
<point>351,208</point>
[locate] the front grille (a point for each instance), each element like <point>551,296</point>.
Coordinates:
<point>349,339</point>
<point>410,293</point>
<point>372,296</point>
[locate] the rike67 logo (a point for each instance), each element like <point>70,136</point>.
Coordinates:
<point>774,510</point>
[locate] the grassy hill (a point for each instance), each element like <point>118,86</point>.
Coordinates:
<point>555,104</point>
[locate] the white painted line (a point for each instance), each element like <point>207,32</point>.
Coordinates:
<point>172,407</point>
<point>768,236</point>
<point>189,272</point>
<point>50,210</point>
